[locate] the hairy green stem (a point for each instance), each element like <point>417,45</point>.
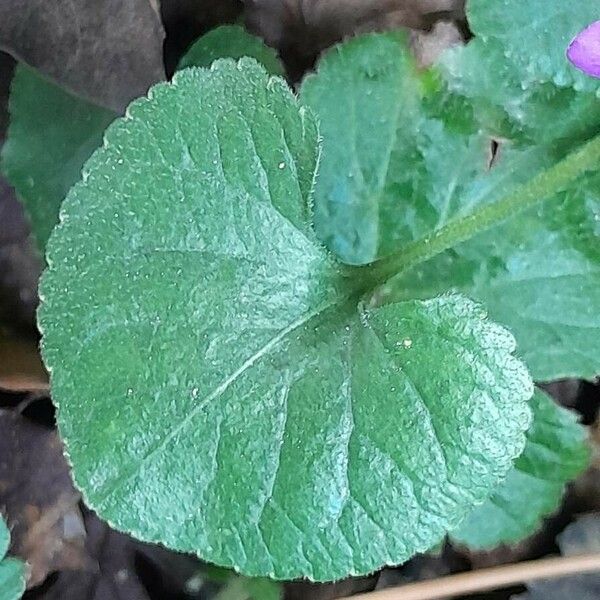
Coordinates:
<point>541,187</point>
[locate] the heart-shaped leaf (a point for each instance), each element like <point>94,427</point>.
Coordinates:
<point>223,385</point>
<point>402,158</point>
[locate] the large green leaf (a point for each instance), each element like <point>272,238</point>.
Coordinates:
<point>230,41</point>
<point>51,134</point>
<point>556,452</point>
<point>402,159</point>
<point>222,387</point>
<point>12,570</point>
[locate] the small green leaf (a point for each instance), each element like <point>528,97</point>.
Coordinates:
<point>556,452</point>
<point>222,388</point>
<point>238,587</point>
<point>12,570</point>
<point>12,579</point>
<point>51,135</point>
<point>264,589</point>
<point>246,588</point>
<point>230,41</point>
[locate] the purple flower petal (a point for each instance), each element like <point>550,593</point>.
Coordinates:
<point>584,50</point>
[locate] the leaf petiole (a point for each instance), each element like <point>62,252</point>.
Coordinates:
<point>539,188</point>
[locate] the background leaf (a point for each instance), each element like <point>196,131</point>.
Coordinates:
<point>21,367</point>
<point>390,171</point>
<point>106,51</point>
<point>403,158</point>
<point>538,84</point>
<point>555,453</point>
<point>20,266</point>
<point>47,144</point>
<point>111,573</point>
<point>244,588</point>
<point>230,41</point>
<point>215,289</point>
<point>300,30</point>
<point>550,25</point>
<point>12,571</point>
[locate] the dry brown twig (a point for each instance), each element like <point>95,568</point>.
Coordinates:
<point>488,579</point>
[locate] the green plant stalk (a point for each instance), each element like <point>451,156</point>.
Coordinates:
<point>539,188</point>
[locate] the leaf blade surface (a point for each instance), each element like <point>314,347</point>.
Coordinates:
<point>234,379</point>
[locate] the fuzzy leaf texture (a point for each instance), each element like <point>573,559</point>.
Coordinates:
<point>516,74</point>
<point>556,452</point>
<point>12,570</point>
<point>48,142</point>
<point>221,385</point>
<point>402,157</point>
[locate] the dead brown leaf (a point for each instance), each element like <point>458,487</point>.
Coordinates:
<point>7,65</point>
<point>20,264</point>
<point>300,29</point>
<point>107,51</point>
<point>112,575</point>
<point>38,499</point>
<point>428,46</point>
<point>21,367</point>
